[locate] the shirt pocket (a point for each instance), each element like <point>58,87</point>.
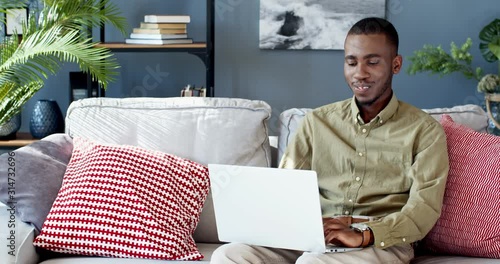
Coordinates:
<point>391,169</point>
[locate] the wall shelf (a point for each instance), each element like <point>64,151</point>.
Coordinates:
<point>122,47</point>
<point>22,139</point>
<point>203,50</point>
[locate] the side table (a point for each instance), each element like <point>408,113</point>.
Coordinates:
<point>22,139</point>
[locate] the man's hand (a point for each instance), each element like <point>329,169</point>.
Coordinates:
<point>339,233</point>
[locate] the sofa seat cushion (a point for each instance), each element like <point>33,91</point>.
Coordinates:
<point>206,249</point>
<point>126,201</point>
<point>205,130</point>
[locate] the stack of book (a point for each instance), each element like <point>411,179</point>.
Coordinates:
<point>161,29</point>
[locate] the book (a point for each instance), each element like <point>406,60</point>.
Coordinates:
<point>157,36</point>
<point>164,25</point>
<point>159,31</point>
<point>159,41</point>
<point>167,19</point>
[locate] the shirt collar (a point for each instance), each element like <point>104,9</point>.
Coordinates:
<point>382,117</point>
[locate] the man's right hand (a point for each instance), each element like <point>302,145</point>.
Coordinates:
<point>339,232</point>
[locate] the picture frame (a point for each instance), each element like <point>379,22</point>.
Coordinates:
<point>312,24</point>
<point>14,21</point>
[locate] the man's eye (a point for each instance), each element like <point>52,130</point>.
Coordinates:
<point>351,63</point>
<point>372,62</point>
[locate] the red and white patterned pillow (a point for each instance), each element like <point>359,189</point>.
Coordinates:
<point>470,219</point>
<point>126,201</point>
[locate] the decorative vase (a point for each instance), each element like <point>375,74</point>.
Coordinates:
<point>46,119</point>
<point>492,101</point>
<point>9,129</point>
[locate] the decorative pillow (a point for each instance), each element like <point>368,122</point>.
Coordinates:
<point>470,219</point>
<point>39,170</point>
<point>126,201</point>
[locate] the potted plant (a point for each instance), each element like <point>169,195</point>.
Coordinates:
<point>435,60</point>
<point>58,33</point>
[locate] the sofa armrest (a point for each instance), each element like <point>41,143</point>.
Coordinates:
<point>17,237</point>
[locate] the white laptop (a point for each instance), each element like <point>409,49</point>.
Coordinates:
<point>269,207</point>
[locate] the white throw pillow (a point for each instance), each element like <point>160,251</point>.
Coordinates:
<point>469,115</point>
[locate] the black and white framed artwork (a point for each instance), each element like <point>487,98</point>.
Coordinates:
<point>312,24</point>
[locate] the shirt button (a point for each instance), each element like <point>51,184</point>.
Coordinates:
<point>381,121</point>
<point>358,178</point>
<point>346,212</point>
<point>360,154</point>
<point>382,244</point>
<point>350,200</point>
<point>404,239</point>
<point>364,130</point>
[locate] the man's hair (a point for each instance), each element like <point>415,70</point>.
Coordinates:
<point>375,25</point>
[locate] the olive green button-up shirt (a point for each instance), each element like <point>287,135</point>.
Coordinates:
<point>394,167</point>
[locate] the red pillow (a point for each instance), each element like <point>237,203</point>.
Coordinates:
<point>470,219</point>
<point>125,201</point>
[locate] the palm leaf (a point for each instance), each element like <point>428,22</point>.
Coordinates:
<point>43,51</point>
<point>17,97</point>
<point>56,36</point>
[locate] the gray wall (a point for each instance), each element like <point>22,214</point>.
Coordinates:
<point>287,78</point>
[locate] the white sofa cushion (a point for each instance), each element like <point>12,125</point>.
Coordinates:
<point>470,115</point>
<point>205,130</point>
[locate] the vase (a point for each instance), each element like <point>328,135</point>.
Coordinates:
<point>492,101</point>
<point>9,129</point>
<point>46,119</point>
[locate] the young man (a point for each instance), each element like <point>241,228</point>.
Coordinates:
<point>374,155</point>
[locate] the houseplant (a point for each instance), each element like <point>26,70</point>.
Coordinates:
<point>58,33</point>
<point>435,60</point>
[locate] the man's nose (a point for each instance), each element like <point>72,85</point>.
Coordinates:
<point>360,72</point>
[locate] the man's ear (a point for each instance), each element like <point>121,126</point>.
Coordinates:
<point>397,63</point>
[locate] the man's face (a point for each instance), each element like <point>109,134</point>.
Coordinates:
<point>369,64</point>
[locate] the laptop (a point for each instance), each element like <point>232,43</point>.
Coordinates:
<point>269,207</point>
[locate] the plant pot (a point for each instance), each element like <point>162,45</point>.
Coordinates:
<point>46,119</point>
<point>493,109</point>
<point>9,129</point>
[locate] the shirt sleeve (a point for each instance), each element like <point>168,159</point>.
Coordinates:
<point>429,172</point>
<point>298,152</point>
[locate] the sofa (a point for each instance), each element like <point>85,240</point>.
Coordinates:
<point>203,130</point>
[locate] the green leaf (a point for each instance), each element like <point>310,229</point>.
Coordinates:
<point>437,61</point>
<point>490,34</point>
<point>495,48</point>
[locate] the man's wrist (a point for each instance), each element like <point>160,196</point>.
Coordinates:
<point>366,234</point>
